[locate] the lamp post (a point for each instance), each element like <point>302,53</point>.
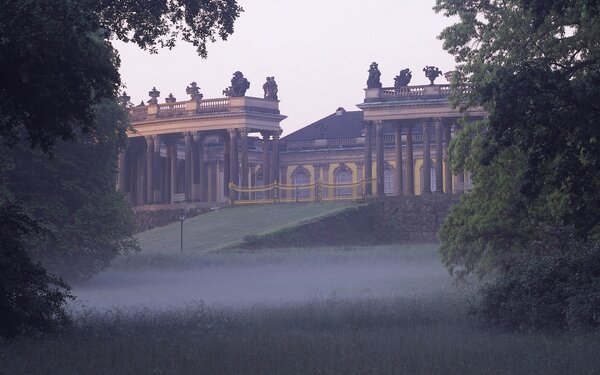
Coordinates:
<point>181,219</point>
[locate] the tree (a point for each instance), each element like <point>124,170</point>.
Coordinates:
<point>56,60</point>
<point>57,67</point>
<point>535,67</point>
<point>73,197</point>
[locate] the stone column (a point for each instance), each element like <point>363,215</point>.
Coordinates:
<point>226,167</point>
<point>266,158</point>
<point>245,168</point>
<point>317,170</point>
<point>274,175</point>
<point>199,167</point>
<point>149,169</point>
<point>426,158</point>
<point>156,169</point>
<point>188,166</point>
<point>398,146</point>
<point>168,173</point>
<point>121,174</point>
<point>448,169</point>
<point>283,176</point>
<point>234,160</point>
<point>439,158</point>
<point>410,162</point>
<point>173,150</point>
<point>459,179</point>
<point>325,178</point>
<point>380,163</point>
<point>368,159</point>
<point>359,176</point>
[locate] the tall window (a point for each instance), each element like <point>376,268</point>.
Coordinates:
<point>388,181</point>
<point>259,183</point>
<point>301,179</point>
<point>433,180</point>
<point>343,176</point>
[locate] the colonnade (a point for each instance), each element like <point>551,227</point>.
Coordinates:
<point>443,178</point>
<point>149,178</point>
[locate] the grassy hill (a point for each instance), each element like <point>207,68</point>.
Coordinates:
<point>228,227</point>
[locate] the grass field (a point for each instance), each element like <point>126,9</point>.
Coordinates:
<point>228,227</point>
<point>383,310</point>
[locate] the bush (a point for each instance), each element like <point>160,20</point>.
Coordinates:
<point>556,291</point>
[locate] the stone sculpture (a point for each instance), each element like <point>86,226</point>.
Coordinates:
<point>239,85</point>
<point>403,79</point>
<point>270,89</point>
<point>432,73</point>
<point>373,82</point>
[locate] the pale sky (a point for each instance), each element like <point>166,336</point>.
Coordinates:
<point>318,50</point>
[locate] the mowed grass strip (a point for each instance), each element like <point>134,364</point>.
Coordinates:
<point>228,227</point>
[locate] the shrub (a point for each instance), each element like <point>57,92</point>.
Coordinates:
<point>555,291</point>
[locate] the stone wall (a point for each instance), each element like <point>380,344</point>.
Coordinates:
<point>415,219</point>
<point>391,220</point>
<point>148,217</point>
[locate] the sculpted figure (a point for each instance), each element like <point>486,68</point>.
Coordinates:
<point>194,91</point>
<point>154,94</point>
<point>239,85</point>
<point>403,79</point>
<point>270,89</point>
<point>373,82</point>
<point>432,73</point>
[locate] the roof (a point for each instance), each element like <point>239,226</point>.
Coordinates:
<point>340,124</point>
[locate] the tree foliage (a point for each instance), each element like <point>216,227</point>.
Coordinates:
<point>74,199</point>
<point>535,67</point>
<point>56,60</point>
<point>58,69</point>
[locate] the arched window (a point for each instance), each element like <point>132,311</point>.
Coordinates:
<point>259,183</point>
<point>343,175</point>
<point>388,181</point>
<point>300,177</point>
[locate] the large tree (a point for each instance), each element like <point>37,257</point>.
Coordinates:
<point>57,68</point>
<point>535,67</point>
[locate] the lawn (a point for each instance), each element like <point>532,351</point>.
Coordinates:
<point>228,227</point>
<point>353,310</point>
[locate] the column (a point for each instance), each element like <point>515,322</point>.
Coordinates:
<point>156,170</point>
<point>275,174</point>
<point>168,173</point>
<point>283,176</point>
<point>173,151</point>
<point>199,172</point>
<point>149,171</point>
<point>121,174</point>
<point>234,161</point>
<point>226,167</point>
<point>410,163</point>
<point>380,163</point>
<point>325,178</point>
<point>245,167</point>
<point>426,158</point>
<point>459,180</point>
<point>317,170</point>
<point>266,167</point>
<point>188,166</point>
<point>398,146</point>
<point>368,159</point>
<point>439,158</point>
<point>359,176</point>
<point>448,170</point>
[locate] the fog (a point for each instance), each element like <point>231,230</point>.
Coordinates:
<point>237,280</point>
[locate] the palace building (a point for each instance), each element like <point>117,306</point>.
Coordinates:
<point>216,150</point>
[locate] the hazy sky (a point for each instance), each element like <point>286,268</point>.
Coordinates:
<point>318,50</point>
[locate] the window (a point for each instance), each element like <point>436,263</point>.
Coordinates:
<point>301,179</point>
<point>343,176</point>
<point>388,181</point>
<point>433,180</point>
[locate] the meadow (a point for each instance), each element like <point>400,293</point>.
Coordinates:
<point>353,310</point>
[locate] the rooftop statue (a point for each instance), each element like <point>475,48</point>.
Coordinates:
<point>373,81</point>
<point>239,85</point>
<point>154,94</point>
<point>194,91</point>
<point>432,73</point>
<point>270,89</point>
<point>403,79</point>
<point>170,99</point>
<point>124,100</point>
